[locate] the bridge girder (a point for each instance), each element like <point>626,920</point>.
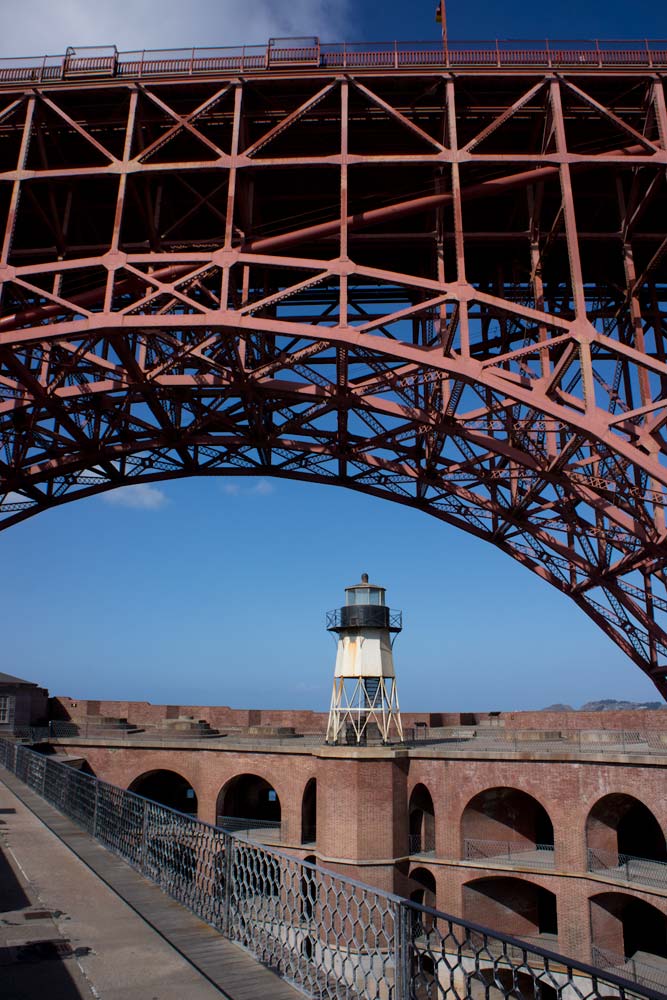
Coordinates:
<point>448,291</point>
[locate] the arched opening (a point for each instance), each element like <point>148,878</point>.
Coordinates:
<point>513,906</point>
<point>168,788</point>
<point>625,841</point>
<point>250,805</point>
<point>629,936</point>
<point>421,821</point>
<point>309,813</point>
<point>423,891</point>
<point>508,827</point>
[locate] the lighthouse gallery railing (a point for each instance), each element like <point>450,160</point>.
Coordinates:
<point>331,936</point>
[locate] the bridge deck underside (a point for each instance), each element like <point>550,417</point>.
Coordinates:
<point>449,291</point>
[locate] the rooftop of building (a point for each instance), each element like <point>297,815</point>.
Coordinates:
<point>14,681</point>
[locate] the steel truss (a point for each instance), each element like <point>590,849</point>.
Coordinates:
<point>447,290</point>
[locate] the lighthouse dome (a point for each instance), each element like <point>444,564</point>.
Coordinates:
<point>364,593</point>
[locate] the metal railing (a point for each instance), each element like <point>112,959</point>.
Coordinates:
<point>451,739</point>
<point>334,938</point>
<point>254,829</point>
<point>576,741</point>
<point>364,616</point>
<point>311,53</point>
<point>628,868</point>
<point>504,852</point>
<point>641,971</point>
<point>419,843</point>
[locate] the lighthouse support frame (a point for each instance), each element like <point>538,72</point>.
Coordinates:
<point>354,707</point>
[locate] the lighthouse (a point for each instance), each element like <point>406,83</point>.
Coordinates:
<point>364,701</point>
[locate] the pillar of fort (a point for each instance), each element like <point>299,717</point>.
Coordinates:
<point>362,812</point>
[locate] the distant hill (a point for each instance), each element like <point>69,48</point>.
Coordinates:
<point>607,705</point>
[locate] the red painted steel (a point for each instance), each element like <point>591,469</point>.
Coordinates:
<point>448,290</point>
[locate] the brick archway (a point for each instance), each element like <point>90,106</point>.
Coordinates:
<point>249,796</point>
<point>518,906</point>
<point>621,827</point>
<point>309,813</point>
<point>167,787</point>
<point>504,820</point>
<point>629,935</point>
<point>421,820</point>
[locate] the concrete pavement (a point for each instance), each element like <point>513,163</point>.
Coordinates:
<point>65,935</point>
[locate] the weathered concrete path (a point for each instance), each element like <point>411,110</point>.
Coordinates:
<point>77,922</point>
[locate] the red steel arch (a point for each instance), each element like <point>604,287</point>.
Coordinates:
<point>445,288</point>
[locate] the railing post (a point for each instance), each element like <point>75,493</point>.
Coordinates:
<point>95,808</point>
<point>144,837</point>
<point>230,845</point>
<point>403,916</point>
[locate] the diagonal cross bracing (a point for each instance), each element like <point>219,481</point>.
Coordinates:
<point>447,292</point>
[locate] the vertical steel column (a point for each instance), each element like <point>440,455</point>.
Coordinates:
<point>120,198</point>
<point>458,217</point>
<point>571,234</point>
<point>16,186</point>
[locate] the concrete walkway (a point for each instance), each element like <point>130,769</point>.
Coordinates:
<point>76,922</point>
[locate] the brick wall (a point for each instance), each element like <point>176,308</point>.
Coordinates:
<point>627,719</point>
<point>219,716</point>
<point>362,812</point>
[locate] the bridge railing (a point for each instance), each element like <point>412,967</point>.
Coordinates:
<point>333,937</point>
<point>309,52</point>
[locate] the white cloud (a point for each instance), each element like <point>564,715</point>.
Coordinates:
<point>143,496</point>
<point>260,488</point>
<point>263,488</point>
<point>39,26</point>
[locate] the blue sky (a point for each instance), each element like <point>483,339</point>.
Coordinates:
<point>39,26</point>
<point>215,591</point>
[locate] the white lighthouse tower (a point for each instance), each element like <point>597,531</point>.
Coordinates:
<point>364,689</point>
